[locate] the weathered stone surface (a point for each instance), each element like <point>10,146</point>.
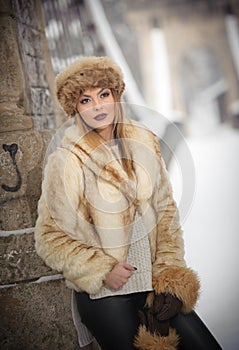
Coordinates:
<point>21,155</point>
<point>6,6</point>
<point>27,154</point>
<point>12,82</point>
<point>25,12</point>
<point>13,122</point>
<point>19,260</point>
<point>30,35</point>
<point>42,122</point>
<point>37,72</point>
<point>41,103</point>
<point>34,178</point>
<point>37,97</point>
<point>37,316</point>
<point>15,213</point>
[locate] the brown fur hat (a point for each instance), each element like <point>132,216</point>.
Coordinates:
<point>86,73</point>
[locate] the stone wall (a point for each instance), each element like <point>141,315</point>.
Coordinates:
<point>34,302</point>
<point>36,316</point>
<point>26,112</point>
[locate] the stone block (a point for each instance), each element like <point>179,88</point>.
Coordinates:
<point>14,122</point>
<point>36,72</point>
<point>19,260</point>
<point>25,155</point>
<point>37,317</point>
<point>42,122</point>
<point>15,213</point>
<point>30,42</point>
<point>21,156</point>
<point>12,82</point>
<point>41,103</point>
<point>25,12</point>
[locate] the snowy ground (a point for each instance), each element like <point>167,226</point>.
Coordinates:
<point>211,228</point>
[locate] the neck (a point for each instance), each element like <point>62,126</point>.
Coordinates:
<point>107,133</point>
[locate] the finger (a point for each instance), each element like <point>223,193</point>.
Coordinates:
<point>129,267</point>
<point>125,278</point>
<point>124,275</point>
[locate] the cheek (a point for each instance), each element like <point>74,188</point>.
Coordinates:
<point>86,115</point>
<point>81,108</point>
<point>110,107</point>
<point>85,110</point>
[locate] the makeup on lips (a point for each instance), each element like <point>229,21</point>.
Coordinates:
<point>100,116</point>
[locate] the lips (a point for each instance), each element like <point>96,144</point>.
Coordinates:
<point>101,116</point>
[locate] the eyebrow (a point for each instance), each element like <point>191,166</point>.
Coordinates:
<point>84,95</point>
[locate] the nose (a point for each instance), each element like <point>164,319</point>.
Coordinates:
<point>97,105</point>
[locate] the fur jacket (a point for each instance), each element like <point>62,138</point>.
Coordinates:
<point>86,212</point>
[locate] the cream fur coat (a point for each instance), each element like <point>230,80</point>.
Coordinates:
<point>87,208</point>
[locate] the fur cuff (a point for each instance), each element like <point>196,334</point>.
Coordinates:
<point>180,281</point>
<point>147,341</point>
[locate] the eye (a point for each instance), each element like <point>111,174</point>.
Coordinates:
<point>105,94</point>
<point>84,101</point>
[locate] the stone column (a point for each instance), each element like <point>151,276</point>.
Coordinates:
<point>17,140</point>
<point>34,302</point>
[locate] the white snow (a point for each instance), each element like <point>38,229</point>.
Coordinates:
<point>211,229</point>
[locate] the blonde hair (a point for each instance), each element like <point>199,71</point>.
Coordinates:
<point>119,134</point>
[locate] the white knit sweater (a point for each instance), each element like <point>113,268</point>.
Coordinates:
<point>138,256</point>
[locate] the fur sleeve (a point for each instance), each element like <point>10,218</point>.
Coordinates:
<point>64,238</point>
<point>170,273</point>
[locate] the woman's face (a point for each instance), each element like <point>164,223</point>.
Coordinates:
<point>96,107</point>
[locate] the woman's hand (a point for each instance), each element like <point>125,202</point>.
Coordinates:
<point>119,275</point>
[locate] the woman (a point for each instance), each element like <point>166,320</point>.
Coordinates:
<point>107,219</point>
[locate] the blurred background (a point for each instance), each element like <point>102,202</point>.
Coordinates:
<point>180,59</point>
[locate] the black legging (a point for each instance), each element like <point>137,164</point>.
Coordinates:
<point>193,333</point>
<point>112,320</point>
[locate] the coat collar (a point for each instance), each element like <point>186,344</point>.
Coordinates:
<point>103,163</point>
